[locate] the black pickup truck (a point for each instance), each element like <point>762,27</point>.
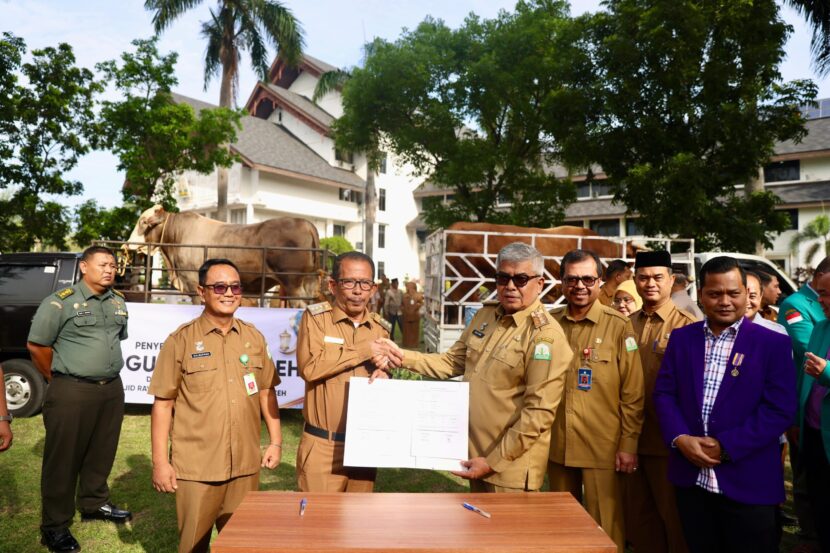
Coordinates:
<point>25,279</point>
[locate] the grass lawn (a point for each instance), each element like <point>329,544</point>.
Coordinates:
<point>153,528</point>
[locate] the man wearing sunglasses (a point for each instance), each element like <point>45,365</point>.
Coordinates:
<point>598,423</point>
<point>334,344</point>
<point>215,377</point>
<point>514,356</point>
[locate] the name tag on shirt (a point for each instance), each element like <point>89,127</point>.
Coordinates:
<point>333,340</point>
<point>250,383</point>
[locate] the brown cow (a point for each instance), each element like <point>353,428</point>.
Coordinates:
<point>291,258</point>
<point>487,238</point>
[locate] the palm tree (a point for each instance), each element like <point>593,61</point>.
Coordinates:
<point>329,82</point>
<point>235,26</point>
<point>817,14</point>
<point>817,229</point>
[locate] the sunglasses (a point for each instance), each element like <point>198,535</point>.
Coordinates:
<point>588,281</point>
<point>220,288</point>
<point>520,280</point>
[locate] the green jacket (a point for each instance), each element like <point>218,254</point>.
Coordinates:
<point>820,346</point>
<point>799,313</point>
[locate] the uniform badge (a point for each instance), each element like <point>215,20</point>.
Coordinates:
<point>65,293</point>
<point>56,304</point>
<point>76,305</point>
<point>247,344</point>
<point>630,344</point>
<point>317,308</point>
<point>539,318</point>
<point>598,340</point>
<point>541,352</point>
<point>792,316</point>
<point>584,379</point>
<point>250,384</point>
<point>200,346</point>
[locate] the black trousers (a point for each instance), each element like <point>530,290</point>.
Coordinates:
<point>83,424</point>
<point>814,462</point>
<point>713,523</point>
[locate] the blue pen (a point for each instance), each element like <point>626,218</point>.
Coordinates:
<point>475,509</point>
<point>303,503</point>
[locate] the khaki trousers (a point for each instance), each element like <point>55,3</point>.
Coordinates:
<point>652,524</point>
<point>320,468</point>
<point>200,505</point>
<point>602,495</point>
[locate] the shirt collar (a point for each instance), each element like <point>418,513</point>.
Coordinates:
<point>663,312</point>
<point>594,313</point>
<point>87,293</point>
<point>519,317</point>
<point>733,328</point>
<point>338,315</point>
<point>206,327</point>
<point>811,292</point>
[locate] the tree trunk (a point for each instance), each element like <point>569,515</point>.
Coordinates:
<point>369,214</point>
<point>756,184</point>
<point>225,101</point>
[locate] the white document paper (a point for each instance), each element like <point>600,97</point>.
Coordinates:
<point>407,424</point>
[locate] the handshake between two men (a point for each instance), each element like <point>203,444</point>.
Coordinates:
<point>386,355</point>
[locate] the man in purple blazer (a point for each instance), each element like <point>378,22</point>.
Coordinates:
<point>724,394</point>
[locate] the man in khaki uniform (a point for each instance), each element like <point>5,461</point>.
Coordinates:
<point>598,422</point>
<point>335,344</point>
<point>514,356</point>
<point>616,273</point>
<point>651,521</point>
<point>215,376</point>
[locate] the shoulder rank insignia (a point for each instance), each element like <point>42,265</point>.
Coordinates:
<point>317,308</point>
<point>118,293</point>
<point>65,293</point>
<point>540,318</point>
<point>382,322</point>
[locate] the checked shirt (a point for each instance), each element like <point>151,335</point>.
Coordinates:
<point>718,350</point>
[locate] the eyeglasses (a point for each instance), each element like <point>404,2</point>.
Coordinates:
<point>588,281</point>
<point>220,288</point>
<point>623,301</point>
<point>350,283</point>
<point>520,280</point>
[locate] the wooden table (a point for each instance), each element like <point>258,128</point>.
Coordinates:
<point>411,522</point>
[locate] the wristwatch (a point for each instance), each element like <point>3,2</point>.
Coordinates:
<point>7,418</point>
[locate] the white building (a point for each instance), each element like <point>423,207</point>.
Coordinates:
<point>289,167</point>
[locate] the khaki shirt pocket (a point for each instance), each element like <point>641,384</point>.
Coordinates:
<point>660,346</point>
<point>199,374</point>
<point>475,348</point>
<point>504,368</point>
<point>601,364</point>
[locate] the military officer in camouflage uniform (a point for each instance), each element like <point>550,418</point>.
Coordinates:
<point>515,357</point>
<point>75,341</point>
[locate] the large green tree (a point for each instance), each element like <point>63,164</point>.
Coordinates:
<point>484,110</point>
<point>155,137</point>
<point>46,124</point>
<point>236,26</point>
<point>689,102</point>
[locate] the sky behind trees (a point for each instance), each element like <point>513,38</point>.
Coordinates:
<point>335,31</point>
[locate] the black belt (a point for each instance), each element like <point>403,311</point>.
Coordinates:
<point>325,434</point>
<point>99,381</point>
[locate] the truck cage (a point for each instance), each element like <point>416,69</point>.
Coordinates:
<point>140,280</point>
<point>445,318</point>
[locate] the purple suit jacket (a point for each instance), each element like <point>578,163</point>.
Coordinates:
<point>751,410</point>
